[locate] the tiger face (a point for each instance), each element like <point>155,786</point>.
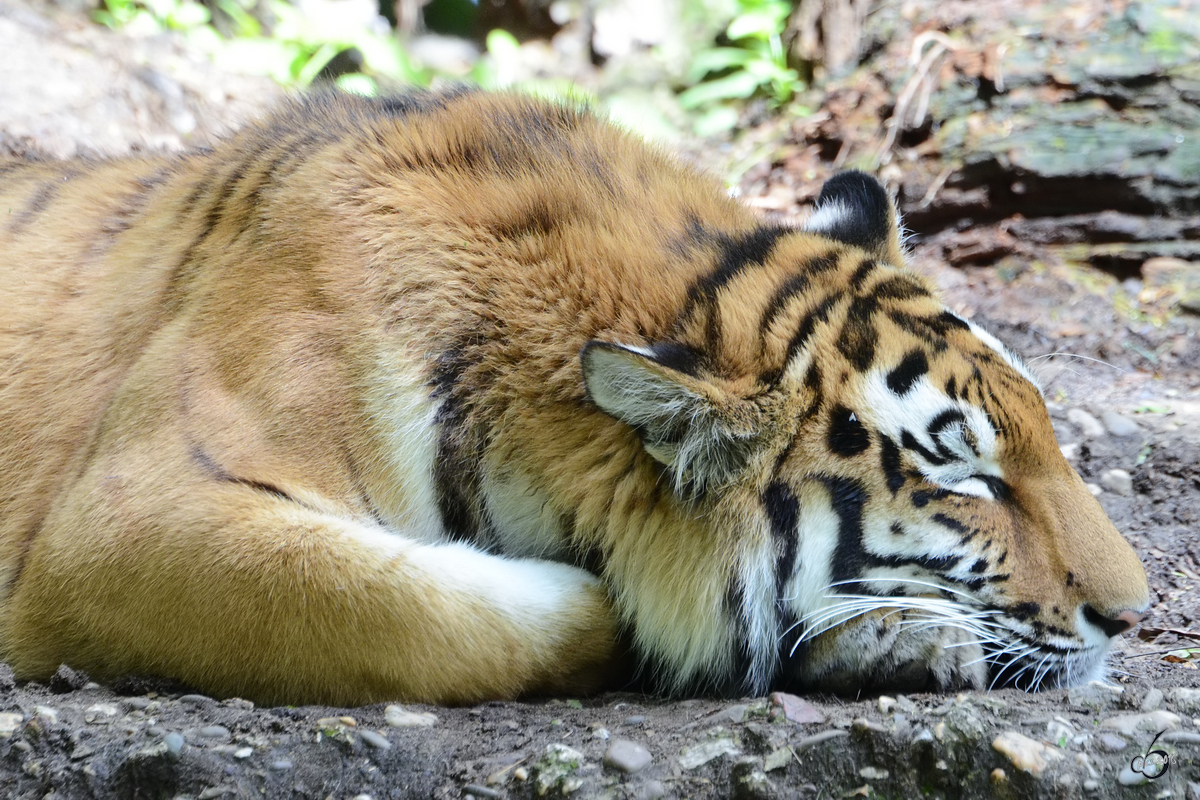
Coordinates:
<point>903,516</point>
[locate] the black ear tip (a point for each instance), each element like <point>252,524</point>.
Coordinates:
<point>856,189</point>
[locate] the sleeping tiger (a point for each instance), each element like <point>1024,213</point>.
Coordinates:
<point>459,395</point>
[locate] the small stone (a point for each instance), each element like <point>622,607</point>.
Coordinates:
<point>1091,785</point>
<point>1186,700</point>
<point>100,713</point>
<point>795,709</point>
<point>1088,425</point>
<point>373,739</point>
<point>398,717</point>
<point>818,738</point>
<point>732,714</point>
<point>998,776</point>
<point>1127,777</point>
<point>637,719</point>
<point>1111,743</point>
<point>778,759</point>
<point>1094,489</point>
<point>1028,755</point>
<point>654,790</point>
<point>195,699</point>
<point>239,703</point>
<point>1096,695</point>
<point>1133,725</point>
<point>283,765</point>
<point>136,703</point>
<point>886,704</point>
<point>46,714</point>
<point>66,680</point>
<point>485,792</point>
<point>243,752</point>
<point>1070,451</point>
<point>718,744</point>
<point>1118,425</point>
<point>626,756</point>
<point>874,774</point>
<point>213,732</point>
<point>601,733</point>
<point>174,743</point>
<point>1117,481</point>
<point>1153,700</point>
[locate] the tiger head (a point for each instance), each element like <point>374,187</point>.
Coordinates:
<point>894,507</point>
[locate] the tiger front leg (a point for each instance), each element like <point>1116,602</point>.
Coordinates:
<point>237,591</point>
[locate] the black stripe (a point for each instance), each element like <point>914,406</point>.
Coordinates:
<point>847,436</point>
<point>860,275</point>
<point>858,337</point>
<point>37,203</point>
<point>783,514</point>
<point>890,458</point>
<point>808,325</point>
<point>901,379</point>
<point>899,287</point>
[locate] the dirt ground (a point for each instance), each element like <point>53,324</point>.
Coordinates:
<point>1120,361</point>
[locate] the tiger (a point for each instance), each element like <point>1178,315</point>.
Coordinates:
<point>461,395</point>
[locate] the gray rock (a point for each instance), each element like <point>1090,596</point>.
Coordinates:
<point>1119,425</point>
<point>1117,481</point>
<point>213,732</point>
<point>653,790</point>
<point>1088,425</point>
<point>1096,695</point>
<point>626,756</point>
<point>1133,725</point>
<point>718,743</point>
<point>174,742</point>
<point>373,739</point>
<point>1186,700</point>
<point>1152,701</point>
<point>1111,743</point>
<point>1193,791</point>
<point>195,699</point>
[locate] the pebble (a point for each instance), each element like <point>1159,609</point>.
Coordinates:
<point>243,752</point>
<point>1119,425</point>
<point>1186,700</point>
<point>734,714</point>
<point>100,713</point>
<point>1096,695</point>
<point>476,790</point>
<point>1110,743</point>
<point>778,759</point>
<point>1028,755</point>
<point>1152,701</point>
<point>398,717</point>
<point>282,765</point>
<point>195,699</point>
<point>1088,425</point>
<point>1070,451</point>
<point>1133,725</point>
<point>637,719</point>
<point>654,790</point>
<point>626,756</point>
<point>817,738</point>
<point>47,714</point>
<point>1094,489</point>
<point>1128,777</point>
<point>718,744</point>
<point>136,703</point>
<point>9,724</point>
<point>213,732</point>
<point>1117,481</point>
<point>795,709</point>
<point>174,743</point>
<point>555,769</point>
<point>376,740</point>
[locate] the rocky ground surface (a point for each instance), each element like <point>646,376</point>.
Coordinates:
<point>1045,155</point>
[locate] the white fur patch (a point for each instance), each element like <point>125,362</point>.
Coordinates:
<point>892,416</point>
<point>1012,358</point>
<point>827,218</point>
<point>817,539</point>
<point>403,415</point>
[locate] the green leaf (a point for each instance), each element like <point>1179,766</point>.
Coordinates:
<point>739,85</point>
<point>357,83</point>
<point>717,59</point>
<point>759,24</point>
<point>716,121</point>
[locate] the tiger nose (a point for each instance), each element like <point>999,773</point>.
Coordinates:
<point>1115,625</point>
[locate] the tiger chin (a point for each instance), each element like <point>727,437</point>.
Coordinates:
<point>445,397</point>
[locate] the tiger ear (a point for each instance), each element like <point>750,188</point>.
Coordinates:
<point>700,432</point>
<point>855,209</point>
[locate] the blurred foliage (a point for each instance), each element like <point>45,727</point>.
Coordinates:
<point>310,40</point>
<point>754,63</point>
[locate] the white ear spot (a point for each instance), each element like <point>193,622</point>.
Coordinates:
<point>829,217</point>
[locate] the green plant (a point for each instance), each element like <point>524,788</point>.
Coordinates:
<point>756,64</point>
